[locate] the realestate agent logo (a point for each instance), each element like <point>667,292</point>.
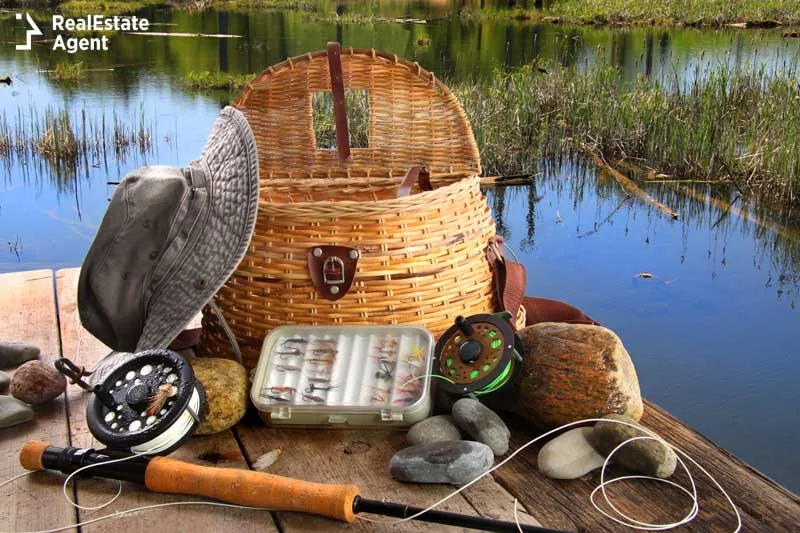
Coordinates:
<point>30,33</point>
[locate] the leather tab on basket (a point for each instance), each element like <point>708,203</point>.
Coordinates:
<point>339,109</point>
<point>415,175</point>
<point>332,269</point>
<point>509,278</point>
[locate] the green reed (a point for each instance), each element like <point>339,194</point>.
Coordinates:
<point>736,126</point>
<point>71,140</point>
<point>67,72</point>
<point>662,12</point>
<point>206,80</point>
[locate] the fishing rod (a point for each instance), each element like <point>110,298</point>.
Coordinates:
<point>244,487</point>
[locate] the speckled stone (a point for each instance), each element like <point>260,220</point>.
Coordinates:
<point>575,371</point>
<point>15,353</point>
<point>433,429</point>
<point>5,379</point>
<point>648,457</point>
<point>37,382</point>
<point>13,412</point>
<point>457,462</point>
<point>226,387</point>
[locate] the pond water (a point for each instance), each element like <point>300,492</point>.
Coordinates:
<point>713,334</point>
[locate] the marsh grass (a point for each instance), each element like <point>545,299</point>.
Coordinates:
<point>662,12</point>
<point>67,141</point>
<point>68,72</point>
<point>206,80</point>
<point>77,8</point>
<point>738,127</point>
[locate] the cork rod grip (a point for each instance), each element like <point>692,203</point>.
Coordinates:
<point>256,489</point>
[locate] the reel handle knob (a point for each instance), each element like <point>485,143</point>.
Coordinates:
<point>464,326</point>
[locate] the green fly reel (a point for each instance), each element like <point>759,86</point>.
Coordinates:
<point>478,355</point>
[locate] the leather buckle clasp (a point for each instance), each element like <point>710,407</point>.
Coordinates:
<point>332,269</point>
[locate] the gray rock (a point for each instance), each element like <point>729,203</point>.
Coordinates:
<point>433,429</point>
<point>455,461</point>
<point>13,412</point>
<point>570,455</point>
<point>482,424</point>
<point>15,353</point>
<point>648,457</point>
<point>5,379</point>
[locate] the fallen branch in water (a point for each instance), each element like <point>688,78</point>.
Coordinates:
<point>630,186</point>
<point>176,34</point>
<point>504,181</point>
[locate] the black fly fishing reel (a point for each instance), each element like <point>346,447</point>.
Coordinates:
<point>479,355</point>
<point>150,403</point>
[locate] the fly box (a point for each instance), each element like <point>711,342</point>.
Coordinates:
<point>344,376</point>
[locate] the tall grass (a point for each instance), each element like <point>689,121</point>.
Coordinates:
<point>69,141</point>
<point>206,80</point>
<point>735,126</point>
<point>68,72</point>
<point>702,12</point>
<point>662,12</point>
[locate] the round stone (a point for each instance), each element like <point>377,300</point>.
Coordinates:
<point>226,387</point>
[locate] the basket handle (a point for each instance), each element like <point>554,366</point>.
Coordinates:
<point>339,109</point>
<point>415,175</point>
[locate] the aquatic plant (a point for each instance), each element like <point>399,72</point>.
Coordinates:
<point>707,12</point>
<point>68,72</point>
<point>217,80</point>
<point>734,126</point>
<point>663,12</point>
<point>68,141</point>
<point>76,8</point>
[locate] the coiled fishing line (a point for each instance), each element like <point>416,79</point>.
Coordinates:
<point>478,355</point>
<point>621,517</point>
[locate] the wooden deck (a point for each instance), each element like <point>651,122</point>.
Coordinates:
<point>40,307</point>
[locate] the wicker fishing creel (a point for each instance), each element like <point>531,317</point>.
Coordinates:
<point>334,244</point>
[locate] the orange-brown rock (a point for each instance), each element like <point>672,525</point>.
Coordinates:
<point>575,371</point>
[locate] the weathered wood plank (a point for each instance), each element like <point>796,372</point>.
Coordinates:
<point>221,450</point>
<point>764,505</point>
<point>360,457</point>
<point>29,314</point>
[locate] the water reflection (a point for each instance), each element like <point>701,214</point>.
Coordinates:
<point>717,212</point>
<point>447,44</point>
<point>712,333</point>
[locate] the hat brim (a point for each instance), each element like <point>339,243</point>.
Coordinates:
<point>230,160</point>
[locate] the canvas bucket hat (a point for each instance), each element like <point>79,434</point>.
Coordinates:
<point>169,240</point>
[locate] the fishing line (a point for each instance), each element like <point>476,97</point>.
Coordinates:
<point>603,483</point>
<point>621,517</point>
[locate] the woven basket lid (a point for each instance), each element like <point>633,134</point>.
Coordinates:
<point>414,119</point>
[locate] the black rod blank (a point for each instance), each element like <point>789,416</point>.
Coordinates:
<point>396,510</point>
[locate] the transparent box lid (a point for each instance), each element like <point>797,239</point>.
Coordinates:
<point>343,369</point>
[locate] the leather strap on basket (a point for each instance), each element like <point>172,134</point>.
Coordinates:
<point>509,278</point>
<point>415,175</point>
<point>339,109</point>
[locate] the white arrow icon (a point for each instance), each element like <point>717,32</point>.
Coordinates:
<point>30,33</point>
